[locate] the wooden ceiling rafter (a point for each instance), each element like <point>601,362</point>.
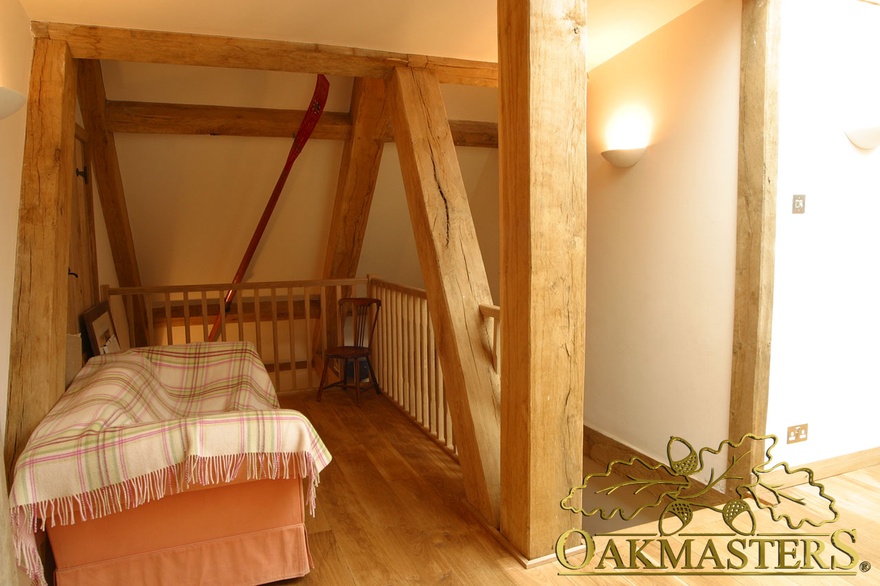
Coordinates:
<point>456,284</point>
<point>358,175</point>
<point>93,100</point>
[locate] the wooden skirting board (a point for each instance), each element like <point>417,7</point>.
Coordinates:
<point>603,449</point>
<point>840,464</point>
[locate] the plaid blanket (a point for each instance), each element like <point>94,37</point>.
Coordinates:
<point>135,426</point>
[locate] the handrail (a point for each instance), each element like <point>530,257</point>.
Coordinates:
<point>493,312</point>
<point>237,286</point>
<point>405,289</point>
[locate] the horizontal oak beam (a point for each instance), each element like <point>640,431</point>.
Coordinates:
<point>158,118</point>
<point>98,42</point>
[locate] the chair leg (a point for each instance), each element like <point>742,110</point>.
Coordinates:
<point>323,378</point>
<point>357,381</point>
<point>373,376</point>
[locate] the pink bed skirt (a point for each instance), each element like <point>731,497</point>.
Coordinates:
<point>235,534</point>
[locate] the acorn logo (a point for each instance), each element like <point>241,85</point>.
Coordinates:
<point>786,495</point>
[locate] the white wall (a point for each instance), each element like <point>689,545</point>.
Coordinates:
<point>194,201</point>
<point>16,48</point>
<point>661,237</point>
<point>826,316</point>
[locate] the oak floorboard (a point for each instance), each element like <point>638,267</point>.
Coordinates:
<point>392,510</point>
<point>333,568</point>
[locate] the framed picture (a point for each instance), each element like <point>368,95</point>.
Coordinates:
<point>99,326</point>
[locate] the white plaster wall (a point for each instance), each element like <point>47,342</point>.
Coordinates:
<point>827,281</point>
<point>661,237</point>
<point>194,201</point>
<point>16,48</point>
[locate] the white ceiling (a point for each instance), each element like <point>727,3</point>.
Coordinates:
<point>451,28</point>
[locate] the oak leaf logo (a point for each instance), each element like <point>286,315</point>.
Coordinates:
<point>770,487</point>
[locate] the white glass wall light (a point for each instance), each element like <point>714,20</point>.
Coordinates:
<point>10,101</point>
<point>627,136</point>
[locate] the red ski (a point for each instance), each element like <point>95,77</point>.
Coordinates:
<point>309,121</point>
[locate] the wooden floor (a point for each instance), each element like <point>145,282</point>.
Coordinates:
<point>391,511</point>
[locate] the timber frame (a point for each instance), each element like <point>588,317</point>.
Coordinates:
<point>68,56</point>
<point>36,374</point>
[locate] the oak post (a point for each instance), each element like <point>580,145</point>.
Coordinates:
<point>455,278</point>
<point>543,191</point>
<point>755,224</point>
<point>40,295</point>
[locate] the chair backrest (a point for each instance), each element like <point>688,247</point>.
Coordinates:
<point>364,315</point>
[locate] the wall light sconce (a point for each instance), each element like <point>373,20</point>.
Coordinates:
<point>866,138</point>
<point>627,135</point>
<point>10,101</point>
<point>623,158</point>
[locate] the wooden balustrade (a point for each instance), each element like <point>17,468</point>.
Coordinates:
<point>281,319</point>
<point>406,360</point>
<point>278,317</point>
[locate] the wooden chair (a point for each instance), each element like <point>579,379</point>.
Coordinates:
<point>364,314</point>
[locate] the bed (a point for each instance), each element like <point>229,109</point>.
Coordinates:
<point>169,464</point>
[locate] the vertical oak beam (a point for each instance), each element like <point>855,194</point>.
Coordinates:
<point>756,222</point>
<point>358,173</point>
<point>39,318</point>
<point>93,102</point>
<point>543,190</point>
<point>455,278</point>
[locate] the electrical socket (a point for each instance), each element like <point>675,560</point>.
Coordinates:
<point>798,204</point>
<point>797,433</point>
